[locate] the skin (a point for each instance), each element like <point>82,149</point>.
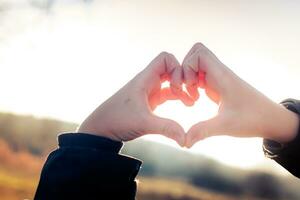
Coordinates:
<point>243,111</point>
<point>128,114</point>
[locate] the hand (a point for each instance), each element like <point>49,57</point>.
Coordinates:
<point>243,111</point>
<point>128,113</point>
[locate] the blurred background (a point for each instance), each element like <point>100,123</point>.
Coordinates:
<point>59,59</point>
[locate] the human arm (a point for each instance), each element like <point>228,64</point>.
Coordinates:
<point>243,110</point>
<point>87,164</point>
<point>286,154</point>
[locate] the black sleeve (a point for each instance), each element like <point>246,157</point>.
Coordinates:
<point>87,167</point>
<point>287,155</point>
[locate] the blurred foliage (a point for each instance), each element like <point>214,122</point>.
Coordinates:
<point>14,186</point>
<point>172,189</point>
<point>265,186</point>
<point>214,180</point>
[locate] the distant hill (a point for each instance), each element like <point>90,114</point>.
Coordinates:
<point>168,162</point>
<point>35,135</point>
<point>21,137</point>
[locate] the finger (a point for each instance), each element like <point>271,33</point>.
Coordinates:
<point>186,99</point>
<point>191,82</point>
<point>192,51</point>
<point>204,64</point>
<point>210,71</point>
<point>192,62</point>
<point>160,97</point>
<point>156,72</point>
<point>164,67</point>
<point>164,63</point>
<point>192,74</point>
<point>201,79</point>
<point>203,130</point>
<point>176,83</point>
<point>166,127</point>
<point>176,79</point>
<point>200,58</point>
<point>215,97</point>
<point>167,94</point>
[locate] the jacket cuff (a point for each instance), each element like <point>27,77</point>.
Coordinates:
<point>274,149</point>
<point>85,140</point>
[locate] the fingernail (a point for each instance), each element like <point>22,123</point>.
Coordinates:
<point>189,145</point>
<point>182,140</point>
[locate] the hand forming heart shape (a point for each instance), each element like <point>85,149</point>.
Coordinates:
<point>243,111</point>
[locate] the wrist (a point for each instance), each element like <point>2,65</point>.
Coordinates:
<point>283,124</point>
<point>94,129</point>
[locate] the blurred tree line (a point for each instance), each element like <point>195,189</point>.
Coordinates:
<point>163,161</point>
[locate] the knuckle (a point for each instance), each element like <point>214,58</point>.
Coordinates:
<point>191,80</point>
<point>166,128</point>
<point>190,66</point>
<point>163,54</point>
<point>186,64</point>
<point>202,50</point>
<point>175,87</point>
<point>199,45</point>
<point>170,61</point>
<point>192,84</point>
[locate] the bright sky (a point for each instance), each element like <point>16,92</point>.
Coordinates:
<point>65,62</point>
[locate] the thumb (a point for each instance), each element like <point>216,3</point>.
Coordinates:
<point>166,127</point>
<point>203,130</point>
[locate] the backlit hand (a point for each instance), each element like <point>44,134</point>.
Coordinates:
<point>128,113</point>
<point>243,111</point>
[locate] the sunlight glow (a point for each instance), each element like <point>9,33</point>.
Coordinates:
<point>63,68</point>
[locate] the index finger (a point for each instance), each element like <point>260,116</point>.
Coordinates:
<point>166,66</point>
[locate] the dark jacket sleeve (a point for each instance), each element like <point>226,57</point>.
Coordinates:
<point>87,167</point>
<point>287,155</point>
